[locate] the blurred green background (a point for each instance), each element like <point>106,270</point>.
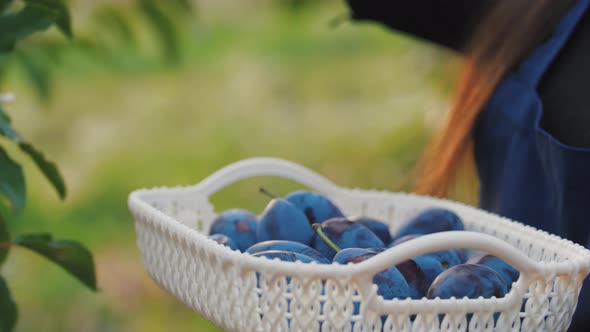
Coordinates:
<point>127,106</point>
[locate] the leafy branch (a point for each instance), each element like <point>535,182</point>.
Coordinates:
<point>113,34</point>
<point>19,21</point>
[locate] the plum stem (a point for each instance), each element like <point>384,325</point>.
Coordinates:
<point>267,193</point>
<point>318,229</point>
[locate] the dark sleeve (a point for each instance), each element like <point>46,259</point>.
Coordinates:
<point>450,23</point>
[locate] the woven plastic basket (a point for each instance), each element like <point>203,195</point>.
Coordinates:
<point>239,292</point>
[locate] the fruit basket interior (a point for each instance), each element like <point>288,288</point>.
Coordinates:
<point>239,292</point>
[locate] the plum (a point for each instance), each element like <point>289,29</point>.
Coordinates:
<point>506,271</point>
<point>461,254</point>
<point>432,268</point>
<point>432,220</point>
<point>468,280</point>
<point>237,224</point>
<point>281,220</point>
<point>447,258</point>
<point>286,256</point>
<point>415,278</point>
<point>403,239</point>
<point>224,240</point>
<point>345,234</point>
<point>390,283</point>
<point>290,246</point>
<point>419,272</point>
<point>316,207</point>
<point>376,226</point>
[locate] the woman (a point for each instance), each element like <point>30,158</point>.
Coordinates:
<point>522,108</point>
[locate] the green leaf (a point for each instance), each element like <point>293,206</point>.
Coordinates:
<point>12,181</point>
<point>70,255</point>
<point>48,168</point>
<point>4,116</point>
<point>4,238</point>
<point>8,310</point>
<point>64,20</point>
<point>5,126</point>
<point>164,27</point>
<point>19,25</point>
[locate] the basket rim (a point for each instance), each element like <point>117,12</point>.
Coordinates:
<point>360,274</point>
<point>576,265</point>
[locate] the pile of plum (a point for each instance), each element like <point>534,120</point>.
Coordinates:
<point>306,226</point>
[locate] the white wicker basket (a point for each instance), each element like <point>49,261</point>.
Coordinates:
<point>222,284</point>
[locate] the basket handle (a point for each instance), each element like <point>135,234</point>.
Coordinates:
<point>264,166</point>
<point>445,241</point>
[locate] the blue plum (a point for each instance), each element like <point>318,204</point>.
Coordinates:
<point>390,283</point>
<point>224,240</point>
<point>420,272</point>
<point>345,234</point>
<point>468,280</point>
<point>447,258</point>
<point>239,225</point>
<point>415,278</point>
<point>353,255</point>
<point>461,254</point>
<point>281,220</point>
<point>506,271</point>
<point>316,207</point>
<point>378,227</point>
<point>286,256</point>
<point>431,266</point>
<point>403,239</point>
<point>432,220</point>
<point>291,246</point>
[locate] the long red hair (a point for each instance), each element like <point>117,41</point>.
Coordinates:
<point>508,34</point>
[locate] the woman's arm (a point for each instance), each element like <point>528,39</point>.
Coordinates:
<point>446,22</point>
